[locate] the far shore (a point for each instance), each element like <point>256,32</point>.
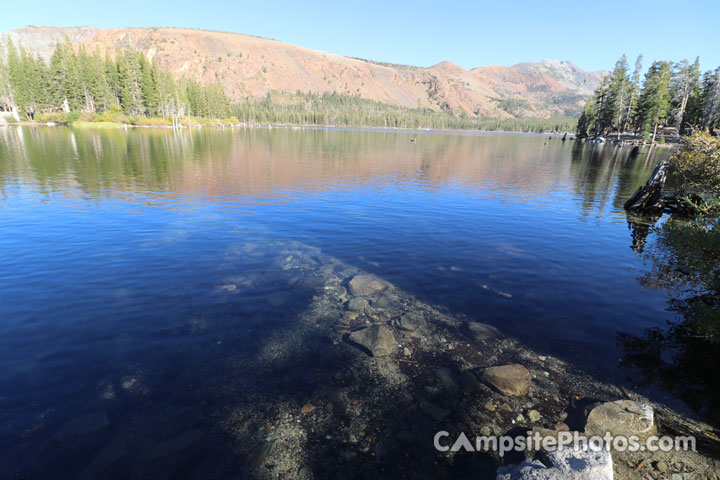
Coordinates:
<point>116,125</point>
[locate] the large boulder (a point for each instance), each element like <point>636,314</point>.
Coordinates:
<point>378,340</point>
<point>566,464</point>
<point>622,417</point>
<point>365,285</point>
<point>511,379</point>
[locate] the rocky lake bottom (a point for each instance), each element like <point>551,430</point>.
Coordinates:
<point>356,387</point>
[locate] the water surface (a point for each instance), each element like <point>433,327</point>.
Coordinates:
<point>136,266</point>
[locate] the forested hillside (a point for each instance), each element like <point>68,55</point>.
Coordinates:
<point>130,88</point>
<point>250,67</point>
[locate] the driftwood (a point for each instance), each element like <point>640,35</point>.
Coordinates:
<point>649,200</point>
<point>649,197</point>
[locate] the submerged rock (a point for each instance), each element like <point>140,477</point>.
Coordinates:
<point>511,379</point>
<point>565,464</point>
<point>377,339</point>
<point>435,412</point>
<point>111,453</point>
<point>82,426</point>
<point>623,417</point>
<point>411,321</point>
<point>185,442</point>
<point>483,331</point>
<point>256,458</point>
<point>366,285</point>
<point>385,301</point>
<point>357,304</point>
<point>447,379</point>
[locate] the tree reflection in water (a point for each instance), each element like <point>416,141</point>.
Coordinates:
<point>684,356</point>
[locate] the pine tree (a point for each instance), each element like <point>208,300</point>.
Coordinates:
<point>112,75</point>
<point>654,101</point>
<point>683,83</point>
<point>148,85</point>
<point>6,96</point>
<point>634,93</point>
<point>603,109</point>
<point>586,120</point>
<point>130,84</point>
<point>711,99</point>
<point>618,94</point>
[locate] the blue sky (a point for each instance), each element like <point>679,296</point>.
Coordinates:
<point>590,34</point>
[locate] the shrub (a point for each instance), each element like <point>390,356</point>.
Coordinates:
<point>697,163</point>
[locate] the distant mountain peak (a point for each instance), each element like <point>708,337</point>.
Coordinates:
<point>447,65</point>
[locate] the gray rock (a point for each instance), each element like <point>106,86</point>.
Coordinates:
<point>622,417</point>
<point>82,426</point>
<point>410,321</point>
<point>661,466</point>
<point>566,464</point>
<point>385,301</point>
<point>447,379</point>
<point>357,304</point>
<point>511,379</point>
<point>365,285</point>
<point>435,412</point>
<point>534,416</point>
<point>378,339</point>
<point>483,331</point>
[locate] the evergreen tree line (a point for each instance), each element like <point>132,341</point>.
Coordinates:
<point>78,82</point>
<point>349,110</point>
<point>670,94</point>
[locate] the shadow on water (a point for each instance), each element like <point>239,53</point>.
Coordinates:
<point>199,352</point>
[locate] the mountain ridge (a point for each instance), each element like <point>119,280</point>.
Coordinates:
<point>251,67</point>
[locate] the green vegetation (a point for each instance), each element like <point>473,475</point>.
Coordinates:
<point>670,95</point>
<point>76,85</point>
<point>697,164</point>
<point>348,110</point>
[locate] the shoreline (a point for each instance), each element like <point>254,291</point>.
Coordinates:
<point>125,126</point>
<point>633,140</point>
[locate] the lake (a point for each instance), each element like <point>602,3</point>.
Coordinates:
<point>153,282</point>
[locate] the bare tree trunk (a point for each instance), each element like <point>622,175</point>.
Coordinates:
<point>627,117</point>
<point>654,134</point>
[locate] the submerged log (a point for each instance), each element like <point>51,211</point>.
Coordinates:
<point>649,197</point>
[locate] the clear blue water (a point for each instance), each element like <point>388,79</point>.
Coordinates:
<point>134,265</point>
